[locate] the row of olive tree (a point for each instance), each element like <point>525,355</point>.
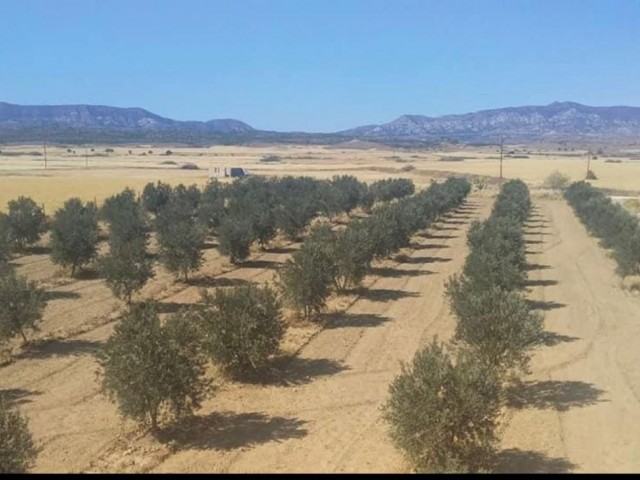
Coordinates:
<point>155,370</point>
<point>339,259</point>
<point>444,406</point>
<point>617,228</point>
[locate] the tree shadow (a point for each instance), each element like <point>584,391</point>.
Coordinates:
<point>294,370</point>
<point>209,245</point>
<point>18,396</point>
<point>536,266</point>
<point>418,246</point>
<point>553,395</point>
<point>217,282</point>
<point>281,250</point>
<point>262,264</point>
<point>397,273</point>
<point>58,295</point>
<point>355,320</point>
<point>230,430</point>
<point>441,229</point>
<point>384,294</point>
<point>515,460</point>
<point>540,283</point>
<point>544,305</point>
<point>452,221</point>
<point>533,242</point>
<point>420,260</point>
<point>433,236</point>
<point>87,274</point>
<point>37,250</point>
<point>551,339</point>
<point>55,348</point>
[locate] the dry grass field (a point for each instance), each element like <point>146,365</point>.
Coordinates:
<point>23,173</point>
<point>320,409</point>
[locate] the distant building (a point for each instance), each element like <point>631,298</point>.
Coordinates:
<point>221,172</point>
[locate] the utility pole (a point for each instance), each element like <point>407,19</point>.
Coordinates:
<point>588,163</point>
<point>45,154</point>
<point>501,151</point>
<point>86,157</point>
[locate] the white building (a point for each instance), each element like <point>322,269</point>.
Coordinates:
<point>221,172</point>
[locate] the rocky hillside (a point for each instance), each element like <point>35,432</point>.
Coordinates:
<point>557,120</point>
<point>90,117</point>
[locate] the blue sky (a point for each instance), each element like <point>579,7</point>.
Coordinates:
<point>319,65</point>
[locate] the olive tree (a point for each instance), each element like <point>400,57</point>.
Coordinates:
<point>443,413</point>
<point>26,221</point>
<point>21,304</point>
<point>17,449</point>
<point>74,234</point>
<point>149,368</point>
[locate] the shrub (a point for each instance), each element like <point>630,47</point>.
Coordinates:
<point>6,239</point>
<point>235,238</point>
<point>149,368</point>
<point>21,304</point>
<point>74,234</point>
<point>443,415</point>
<point>155,197</point>
<point>126,269</point>
<point>496,324</point>
<point>305,280</point>
<point>189,166</point>
<point>242,327</point>
<point>270,159</point>
<point>181,239</point>
<point>556,181</point>
<point>591,175</point>
<point>26,221</point>
<point>17,450</point>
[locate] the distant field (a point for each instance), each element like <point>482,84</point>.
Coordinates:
<point>22,170</point>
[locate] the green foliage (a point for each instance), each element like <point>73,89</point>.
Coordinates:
<point>126,269</point>
<point>617,228</point>
<point>351,256</point>
<point>242,327</point>
<point>348,191</point>
<point>591,175</point>
<point>180,236</point>
<point>556,181</point>
<point>26,221</point>
<point>497,325</point>
<point>211,207</point>
<point>6,239</point>
<point>305,279</point>
<point>391,189</point>
<point>149,368</point>
<point>21,304</point>
<point>155,197</point>
<point>17,450</point>
<point>235,237</point>
<point>443,414</point>
<point>74,234</point>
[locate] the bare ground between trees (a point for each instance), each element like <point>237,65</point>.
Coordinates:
<point>579,409</point>
<point>318,411</point>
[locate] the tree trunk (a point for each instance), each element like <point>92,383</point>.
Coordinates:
<point>24,338</point>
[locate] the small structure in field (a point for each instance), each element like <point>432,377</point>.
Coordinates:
<point>221,172</point>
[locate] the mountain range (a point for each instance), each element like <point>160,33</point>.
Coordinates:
<point>94,124</point>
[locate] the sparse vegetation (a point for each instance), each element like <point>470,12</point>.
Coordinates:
<point>74,234</point>
<point>242,328</point>
<point>150,369</point>
<point>21,304</point>
<point>443,412</point>
<point>17,449</point>
<point>556,181</point>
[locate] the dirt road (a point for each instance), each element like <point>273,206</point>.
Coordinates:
<point>580,409</point>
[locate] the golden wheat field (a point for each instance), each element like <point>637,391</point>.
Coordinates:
<point>98,174</point>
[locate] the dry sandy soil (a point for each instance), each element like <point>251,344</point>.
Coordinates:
<point>319,408</point>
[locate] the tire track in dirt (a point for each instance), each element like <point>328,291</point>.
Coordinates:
<point>579,409</point>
